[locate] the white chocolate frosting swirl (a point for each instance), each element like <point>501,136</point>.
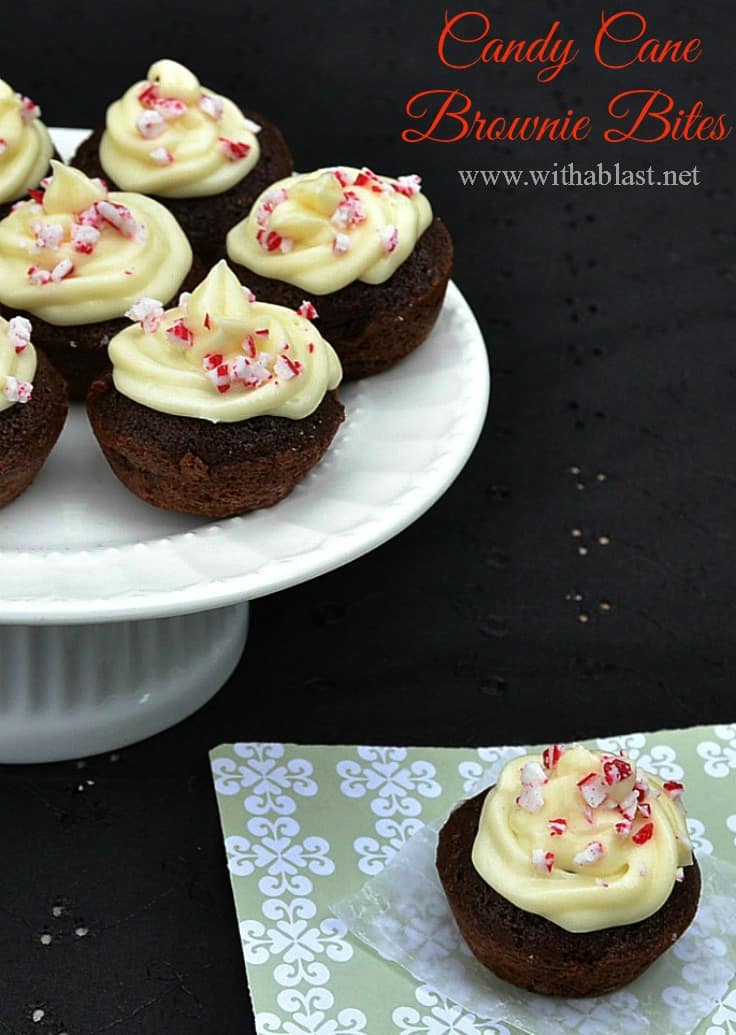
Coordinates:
<point>323,230</point>
<point>172,137</point>
<point>561,841</point>
<point>81,255</point>
<point>17,362</point>
<point>222,356</point>
<point>25,145</point>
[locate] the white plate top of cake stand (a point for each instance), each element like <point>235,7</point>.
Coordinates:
<point>77,547</point>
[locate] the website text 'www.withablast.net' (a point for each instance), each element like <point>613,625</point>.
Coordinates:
<point>571,175</point>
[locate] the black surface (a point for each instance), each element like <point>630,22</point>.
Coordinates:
<point>609,318</point>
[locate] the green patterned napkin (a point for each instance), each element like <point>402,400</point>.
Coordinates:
<point>306,826</point>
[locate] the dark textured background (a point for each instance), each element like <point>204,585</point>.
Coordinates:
<point>609,319</point>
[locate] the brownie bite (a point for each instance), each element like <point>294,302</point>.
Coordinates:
<point>195,152</point>
<point>364,249</point>
<point>33,408</point>
<point>219,406</point>
<point>572,875</point>
<point>74,259</point>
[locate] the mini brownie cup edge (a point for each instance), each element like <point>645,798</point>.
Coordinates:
<point>28,431</point>
<point>213,470</point>
<point>87,359</point>
<point>532,952</point>
<point>373,326</point>
<point>206,225</point>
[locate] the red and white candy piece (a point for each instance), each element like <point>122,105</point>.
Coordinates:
<point>248,294</point>
<point>62,270</point>
<point>616,770</point>
<point>350,212</point>
<point>148,96</point>
<point>19,333</point>
<point>341,244</point>
<point>161,156</point>
<point>271,241</point>
<point>389,238</point>
<point>180,335</point>
<point>212,106</point>
<point>408,185</point>
<point>170,108</point>
<point>367,178</point>
<point>3,145</point>
<point>643,834</point>
<point>234,150</point>
<point>151,124</point>
<point>252,372</point>
<point>628,806</point>
<point>624,827</point>
<point>673,788</point>
<point>542,861</point>
<point>120,217</point>
<point>551,756</point>
<point>593,789</point>
<point>29,110</point>
<point>38,276</point>
<point>218,372</point>
<point>47,235</point>
<point>16,391</point>
<point>286,368</point>
<point>90,217</point>
<point>84,238</point>
<point>533,779</point>
<point>307,310</point>
<point>557,827</point>
<point>148,312</point>
<point>593,851</point>
<point>184,299</point>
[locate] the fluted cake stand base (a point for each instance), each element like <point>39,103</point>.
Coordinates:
<point>73,690</point>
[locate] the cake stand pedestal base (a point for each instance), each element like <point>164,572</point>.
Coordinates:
<point>73,690</point>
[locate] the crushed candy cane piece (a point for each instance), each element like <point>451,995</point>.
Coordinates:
<point>220,376</point>
<point>148,97</point>
<point>161,156</point>
<point>180,335</point>
<point>532,775</point>
<point>389,238</point>
<point>37,196</point>
<point>19,333</point>
<point>623,827</point>
<point>350,212</point>
<point>212,106</point>
<point>551,756</point>
<point>3,145</point>
<point>254,372</point>
<point>170,108</point>
<point>593,789</point>
<point>184,299</point>
<point>62,270</point>
<point>38,276</point>
<point>557,827</point>
<point>341,244</point>
<point>593,851</point>
<point>341,176</point>
<point>148,312</point>
<point>642,788</point>
<point>84,238</point>
<point>151,124</point>
<point>673,788</point>
<point>408,185</point>
<point>615,770</point>
<point>588,816</point>
<point>307,310</point>
<point>16,391</point>
<point>254,127</point>
<point>47,235</point>
<point>269,240</point>
<point>643,834</point>
<point>645,809</point>
<point>120,217</point>
<point>248,294</point>
<point>234,150</point>
<point>286,368</point>
<point>29,110</point>
<point>90,217</point>
<point>531,798</point>
<point>543,861</point>
<point>627,807</point>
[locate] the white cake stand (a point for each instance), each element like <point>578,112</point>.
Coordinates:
<point>117,620</point>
